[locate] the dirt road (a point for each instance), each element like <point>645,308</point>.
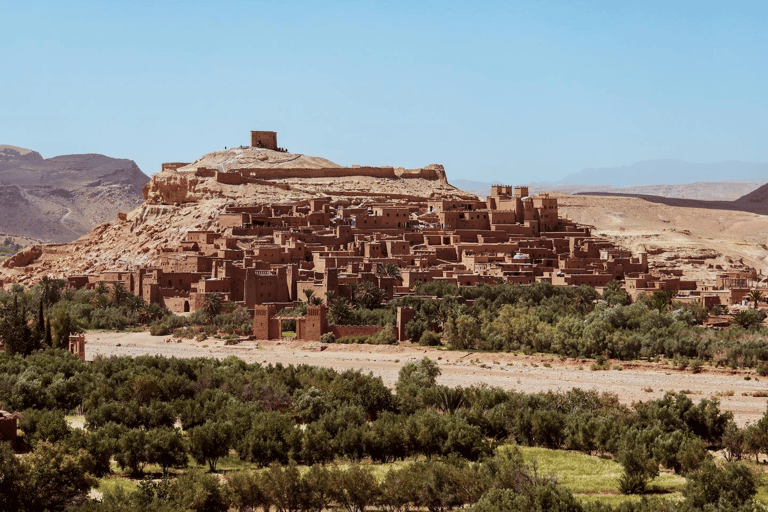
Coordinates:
<point>524,373</point>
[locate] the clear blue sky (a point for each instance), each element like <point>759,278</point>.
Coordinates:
<point>499,91</point>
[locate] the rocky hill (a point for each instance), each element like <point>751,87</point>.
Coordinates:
<point>190,197</point>
<point>61,198</point>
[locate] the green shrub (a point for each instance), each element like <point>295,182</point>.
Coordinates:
<point>354,340</point>
<point>429,339</point>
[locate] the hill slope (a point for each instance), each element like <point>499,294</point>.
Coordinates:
<point>61,198</point>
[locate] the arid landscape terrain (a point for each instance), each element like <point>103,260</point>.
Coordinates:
<point>61,198</point>
<point>698,237</point>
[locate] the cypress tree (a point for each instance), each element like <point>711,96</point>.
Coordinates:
<point>15,331</point>
<point>48,336</point>
<point>40,325</point>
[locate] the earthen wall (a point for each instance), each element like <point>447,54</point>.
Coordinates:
<point>341,331</point>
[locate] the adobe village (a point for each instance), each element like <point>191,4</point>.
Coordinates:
<point>266,229</point>
<point>502,326</point>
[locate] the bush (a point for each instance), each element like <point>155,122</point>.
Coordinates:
<point>639,466</point>
<point>195,492</point>
<point>49,426</point>
<point>349,340</point>
<point>429,339</point>
<point>328,337</point>
<point>386,336</point>
<point>729,486</point>
<point>167,325</point>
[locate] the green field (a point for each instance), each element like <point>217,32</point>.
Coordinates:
<point>593,478</point>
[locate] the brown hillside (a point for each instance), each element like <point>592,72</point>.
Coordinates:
<point>64,197</point>
<point>700,237</point>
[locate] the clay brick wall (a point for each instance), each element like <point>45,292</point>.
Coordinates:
<point>424,174</point>
<point>77,345</point>
<point>325,172</point>
<point>205,172</point>
<point>341,331</point>
<point>177,304</point>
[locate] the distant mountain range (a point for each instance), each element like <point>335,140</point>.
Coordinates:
<point>61,198</point>
<point>724,181</point>
<point>668,172</point>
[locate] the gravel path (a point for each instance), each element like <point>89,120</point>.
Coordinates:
<point>637,381</point>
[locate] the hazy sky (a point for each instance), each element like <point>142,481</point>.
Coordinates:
<point>496,91</point>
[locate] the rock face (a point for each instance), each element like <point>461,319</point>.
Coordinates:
<point>61,198</point>
<point>190,197</point>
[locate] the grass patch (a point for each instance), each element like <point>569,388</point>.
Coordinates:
<point>762,495</point>
<point>75,420</point>
<point>111,483</point>
<point>594,478</point>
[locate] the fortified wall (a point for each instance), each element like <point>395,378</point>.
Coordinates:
<point>433,172</point>
<point>172,186</point>
<point>181,182</point>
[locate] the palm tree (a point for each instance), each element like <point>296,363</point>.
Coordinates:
<point>309,292</point>
<point>352,287</point>
<point>340,312</point>
<point>756,297</point>
<point>50,292</point>
<point>368,295</point>
<point>389,270</point>
<point>119,293</point>
<point>747,318</point>
<point>449,400</point>
<point>212,305</point>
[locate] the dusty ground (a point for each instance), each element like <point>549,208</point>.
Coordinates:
<point>519,372</point>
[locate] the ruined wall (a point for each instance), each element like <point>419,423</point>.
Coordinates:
<point>77,345</point>
<point>234,175</point>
